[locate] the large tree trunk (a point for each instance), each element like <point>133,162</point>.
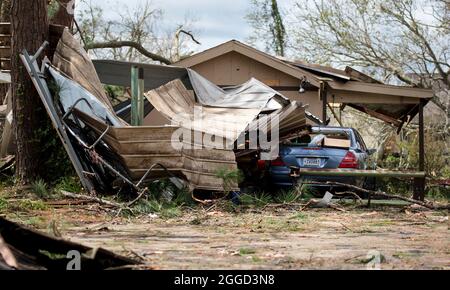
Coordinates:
<point>29,26</point>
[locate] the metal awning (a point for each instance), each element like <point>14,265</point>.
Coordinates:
<point>112,72</point>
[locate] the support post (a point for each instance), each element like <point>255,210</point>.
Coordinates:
<point>141,96</point>
<point>137,95</point>
<point>419,183</point>
<point>323,97</point>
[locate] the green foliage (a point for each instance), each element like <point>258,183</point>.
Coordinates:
<point>40,188</point>
<point>257,199</point>
<point>287,196</point>
<point>3,204</point>
<point>267,22</point>
<point>246,251</point>
<point>230,178</point>
<point>69,183</point>
<point>439,193</point>
<point>54,162</point>
<point>27,204</point>
<point>308,191</point>
<point>114,93</point>
<point>164,199</point>
<point>153,206</point>
<point>6,181</point>
<point>52,8</point>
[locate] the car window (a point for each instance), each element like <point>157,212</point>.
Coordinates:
<point>360,141</point>
<point>309,139</point>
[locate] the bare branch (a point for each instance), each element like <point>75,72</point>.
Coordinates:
<point>189,34</point>
<point>135,45</point>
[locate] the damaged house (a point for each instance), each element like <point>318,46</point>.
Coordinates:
<point>211,125</point>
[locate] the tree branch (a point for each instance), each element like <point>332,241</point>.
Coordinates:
<point>135,45</point>
<point>190,34</point>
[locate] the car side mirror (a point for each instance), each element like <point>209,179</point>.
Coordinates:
<point>371,151</point>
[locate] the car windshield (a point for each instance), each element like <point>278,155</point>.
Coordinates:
<point>316,139</point>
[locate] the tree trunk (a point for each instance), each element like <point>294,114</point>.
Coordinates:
<point>29,27</point>
<point>64,15</point>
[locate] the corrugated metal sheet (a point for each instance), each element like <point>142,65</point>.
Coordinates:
<point>71,58</point>
<point>141,147</point>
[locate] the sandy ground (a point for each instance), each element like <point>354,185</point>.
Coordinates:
<point>278,238</point>
<point>273,237</point>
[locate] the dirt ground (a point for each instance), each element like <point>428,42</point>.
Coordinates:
<point>273,237</point>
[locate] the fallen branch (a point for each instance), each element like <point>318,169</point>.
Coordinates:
<point>141,194</point>
<point>428,205</point>
<point>91,198</point>
<point>133,44</point>
<point>349,192</point>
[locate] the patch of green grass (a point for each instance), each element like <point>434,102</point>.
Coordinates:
<point>7,181</point>
<point>309,191</point>
<point>40,188</point>
<point>402,255</point>
<point>276,224</point>
<point>299,216</point>
<point>256,259</point>
<point>38,222</point>
<point>3,204</point>
<point>69,183</point>
<point>257,199</point>
<point>288,196</point>
<point>52,256</point>
<point>229,178</point>
<point>246,251</point>
<point>153,206</point>
<point>27,204</point>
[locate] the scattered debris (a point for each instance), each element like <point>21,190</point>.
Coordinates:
<point>25,249</point>
<point>372,193</point>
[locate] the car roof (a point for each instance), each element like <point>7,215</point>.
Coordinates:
<point>331,128</point>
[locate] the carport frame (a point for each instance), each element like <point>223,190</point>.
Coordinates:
<point>369,93</point>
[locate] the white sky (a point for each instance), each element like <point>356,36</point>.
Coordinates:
<point>217,21</point>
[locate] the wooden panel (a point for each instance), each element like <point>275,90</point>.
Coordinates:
<point>5,28</point>
<point>141,147</point>
<point>5,52</point>
<point>368,98</point>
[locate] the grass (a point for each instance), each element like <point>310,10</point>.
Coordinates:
<point>40,188</point>
<point>299,216</point>
<point>4,204</point>
<point>153,206</point>
<point>246,251</point>
<point>31,205</point>
<point>69,183</point>
<point>257,199</point>
<point>21,205</point>
<point>289,196</point>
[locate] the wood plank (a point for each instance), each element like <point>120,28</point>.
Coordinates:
<point>360,173</point>
<point>5,52</point>
<point>5,28</point>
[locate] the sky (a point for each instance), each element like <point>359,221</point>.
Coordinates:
<point>217,21</point>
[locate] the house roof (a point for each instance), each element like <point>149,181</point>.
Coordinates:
<point>348,79</point>
<point>234,45</point>
<point>393,104</point>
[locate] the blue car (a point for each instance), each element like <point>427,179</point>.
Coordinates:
<point>323,148</point>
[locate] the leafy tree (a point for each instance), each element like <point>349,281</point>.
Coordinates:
<point>266,20</point>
